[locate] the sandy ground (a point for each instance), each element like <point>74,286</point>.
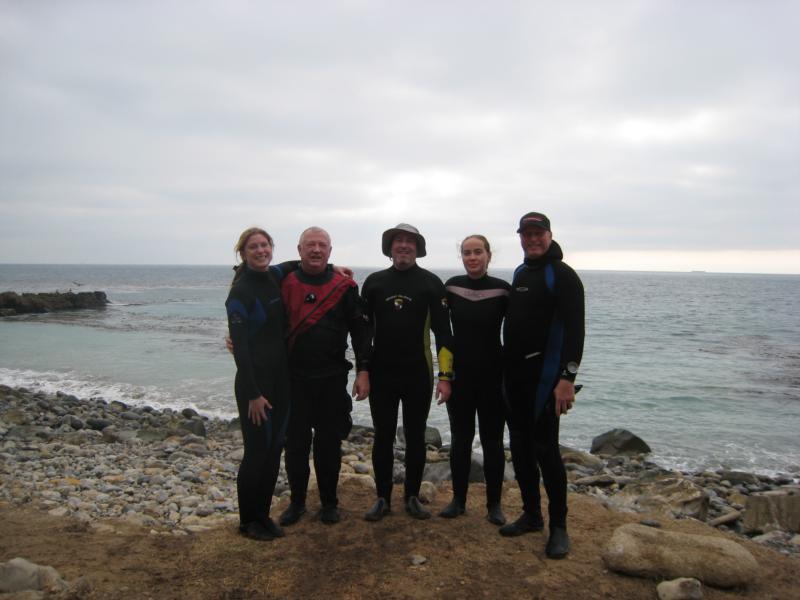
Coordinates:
<point>356,559</point>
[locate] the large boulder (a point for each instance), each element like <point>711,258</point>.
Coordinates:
<point>777,509</point>
<point>583,459</point>
<point>670,494</point>
<point>476,474</point>
<point>437,472</point>
<point>195,426</point>
<point>654,553</point>
<point>739,477</point>
<point>619,441</point>
<point>432,437</point>
<point>18,575</point>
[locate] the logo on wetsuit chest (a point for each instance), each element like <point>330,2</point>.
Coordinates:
<point>398,301</point>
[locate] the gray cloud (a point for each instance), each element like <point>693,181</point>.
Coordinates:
<point>154,132</point>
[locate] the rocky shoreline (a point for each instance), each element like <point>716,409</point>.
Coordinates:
<point>174,472</point>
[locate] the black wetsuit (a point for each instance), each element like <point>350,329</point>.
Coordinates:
<point>257,324</point>
<point>477,308</point>
<point>543,333</point>
<point>402,307</point>
<point>322,309</point>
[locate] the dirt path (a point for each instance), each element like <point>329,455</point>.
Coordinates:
<point>355,559</point>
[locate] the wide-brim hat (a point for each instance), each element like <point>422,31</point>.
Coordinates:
<point>388,236</point>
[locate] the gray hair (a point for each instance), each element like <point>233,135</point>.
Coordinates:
<point>313,229</point>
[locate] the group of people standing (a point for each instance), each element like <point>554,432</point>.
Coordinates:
<point>288,327</point>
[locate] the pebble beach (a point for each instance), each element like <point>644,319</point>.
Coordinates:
<point>174,472</point>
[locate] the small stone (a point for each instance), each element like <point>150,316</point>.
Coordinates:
<point>684,588</point>
<point>650,523</point>
<point>427,492</point>
<point>360,467</point>
<point>418,559</point>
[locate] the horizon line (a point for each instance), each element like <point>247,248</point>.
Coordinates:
<point>378,268</point>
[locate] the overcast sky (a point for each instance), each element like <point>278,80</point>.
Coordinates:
<point>659,135</point>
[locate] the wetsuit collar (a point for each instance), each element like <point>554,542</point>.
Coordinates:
<point>414,267</point>
<point>320,278</point>
<point>258,274</point>
<point>553,253</point>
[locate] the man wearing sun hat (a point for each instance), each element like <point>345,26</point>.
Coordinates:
<point>543,346</point>
<point>403,304</point>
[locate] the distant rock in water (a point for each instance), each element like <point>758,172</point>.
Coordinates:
<point>12,303</point>
<point>619,441</point>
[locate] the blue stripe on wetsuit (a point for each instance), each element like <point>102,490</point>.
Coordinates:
<point>552,354</point>
<point>277,272</point>
<point>255,319</point>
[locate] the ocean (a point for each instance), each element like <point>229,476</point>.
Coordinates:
<point>704,367</point>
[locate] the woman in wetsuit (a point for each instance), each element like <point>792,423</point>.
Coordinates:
<point>477,306</point>
<point>256,323</point>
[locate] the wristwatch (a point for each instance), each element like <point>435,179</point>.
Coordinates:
<point>570,371</point>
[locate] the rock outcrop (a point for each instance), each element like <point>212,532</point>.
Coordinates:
<point>672,494</point>
<point>12,303</point>
<point>767,511</point>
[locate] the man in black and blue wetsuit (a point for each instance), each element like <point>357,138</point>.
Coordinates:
<point>403,304</point>
<point>322,307</point>
<point>543,345</point>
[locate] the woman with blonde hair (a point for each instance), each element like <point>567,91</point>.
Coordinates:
<point>256,324</point>
<point>477,304</point>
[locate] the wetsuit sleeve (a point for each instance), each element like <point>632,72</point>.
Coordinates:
<point>358,328</point>
<point>238,317</point>
<point>368,317</point>
<point>440,324</point>
<point>570,307</point>
<point>283,269</point>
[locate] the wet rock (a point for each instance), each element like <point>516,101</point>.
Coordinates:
<point>619,441</point>
<point>738,477</point>
<point>98,424</point>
